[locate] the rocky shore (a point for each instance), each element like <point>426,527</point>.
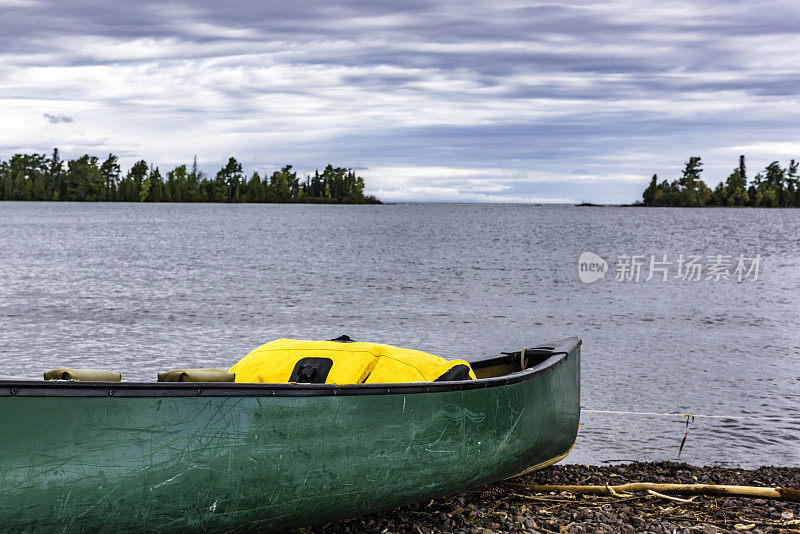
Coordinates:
<point>506,508</point>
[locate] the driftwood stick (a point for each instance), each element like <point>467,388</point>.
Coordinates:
<point>669,498</point>
<point>786,494</point>
<point>615,494</point>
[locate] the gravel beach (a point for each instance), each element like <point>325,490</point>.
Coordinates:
<point>503,508</point>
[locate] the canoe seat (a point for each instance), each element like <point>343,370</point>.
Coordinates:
<point>196,375</point>
<point>83,375</point>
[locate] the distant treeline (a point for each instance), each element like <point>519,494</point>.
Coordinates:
<point>39,177</point>
<point>774,187</point>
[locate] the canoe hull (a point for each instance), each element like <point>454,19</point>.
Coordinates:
<point>271,462</point>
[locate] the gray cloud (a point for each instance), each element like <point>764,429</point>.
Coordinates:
<point>570,100</point>
<point>55,118</point>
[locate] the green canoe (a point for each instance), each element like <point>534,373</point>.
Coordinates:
<point>140,457</point>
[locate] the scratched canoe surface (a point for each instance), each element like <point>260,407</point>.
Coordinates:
<point>199,463</point>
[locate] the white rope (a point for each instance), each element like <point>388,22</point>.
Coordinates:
<point>737,417</point>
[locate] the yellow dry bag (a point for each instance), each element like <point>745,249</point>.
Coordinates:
<point>344,362</point>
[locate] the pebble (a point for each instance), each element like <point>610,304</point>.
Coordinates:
<point>495,509</point>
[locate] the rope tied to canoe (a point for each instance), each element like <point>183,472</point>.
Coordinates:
<point>705,416</point>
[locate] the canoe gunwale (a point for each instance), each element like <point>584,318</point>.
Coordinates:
<point>42,388</point>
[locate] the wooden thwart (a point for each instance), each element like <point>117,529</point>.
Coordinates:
<point>786,494</point>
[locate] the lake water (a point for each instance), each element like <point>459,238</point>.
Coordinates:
<point>144,288</point>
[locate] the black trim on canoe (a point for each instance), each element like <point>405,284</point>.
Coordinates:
<point>558,353</point>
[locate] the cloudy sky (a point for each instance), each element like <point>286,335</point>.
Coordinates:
<point>473,101</point>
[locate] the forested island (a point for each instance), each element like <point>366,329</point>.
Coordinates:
<point>87,178</point>
<point>774,187</point>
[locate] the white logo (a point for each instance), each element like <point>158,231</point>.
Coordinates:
<point>591,267</point>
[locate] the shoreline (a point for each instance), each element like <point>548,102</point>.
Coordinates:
<point>503,508</point>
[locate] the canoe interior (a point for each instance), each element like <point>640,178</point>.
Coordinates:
<point>512,362</point>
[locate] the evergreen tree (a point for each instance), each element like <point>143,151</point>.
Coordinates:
<point>6,183</point>
<point>255,189</point>
<point>153,188</point>
<point>719,197</point>
<point>191,190</point>
<point>84,180</point>
<point>55,176</point>
<point>38,189</point>
<point>692,190</point>
<point>280,184</point>
<point>735,189</point>
<point>136,178</point>
<point>742,170</point>
<point>18,187</point>
<point>227,182</point>
<point>792,184</point>
<point>774,185</point>
<point>176,183</point>
<point>207,191</point>
<point>648,196</point>
<point>110,171</point>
